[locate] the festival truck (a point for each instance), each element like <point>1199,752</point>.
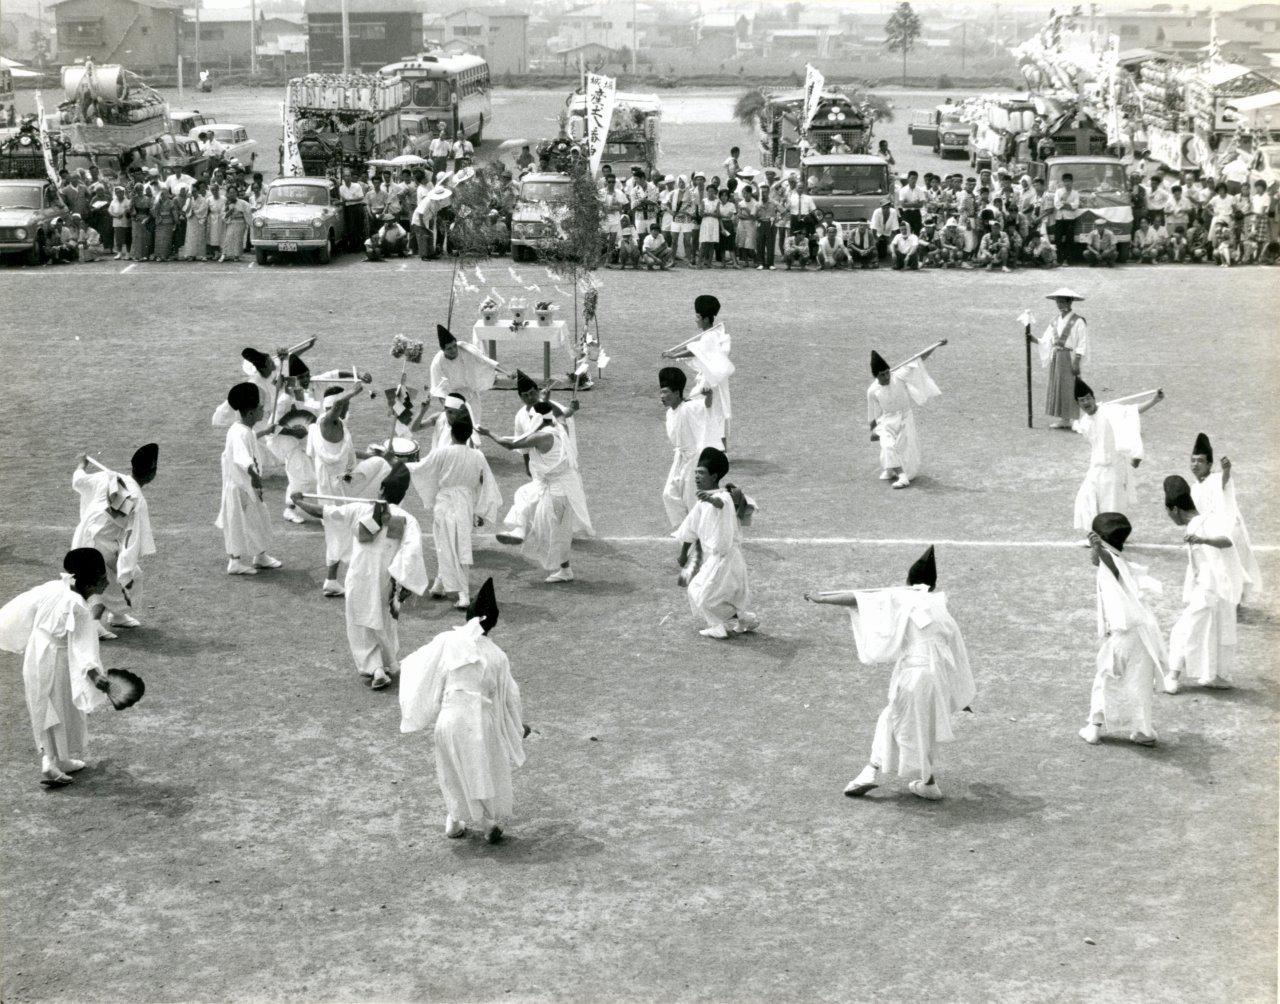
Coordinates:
<point>633,131</point>
<point>1104,194</point>
<point>849,186</point>
<point>785,139</point>
<point>336,120</point>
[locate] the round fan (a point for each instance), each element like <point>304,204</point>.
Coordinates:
<point>126,688</point>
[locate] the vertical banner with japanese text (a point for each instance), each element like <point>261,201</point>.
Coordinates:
<point>600,97</point>
<point>813,81</point>
<point>290,159</point>
<point>46,147</point>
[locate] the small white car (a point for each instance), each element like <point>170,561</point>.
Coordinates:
<point>233,137</point>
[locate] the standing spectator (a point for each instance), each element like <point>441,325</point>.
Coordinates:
<point>1159,201</point>
<point>801,210</point>
<point>237,216</point>
<point>196,240</point>
<point>462,150</point>
<point>1137,198</point>
<point>525,161</point>
<point>1066,207</point>
<point>993,252</point>
<point>766,231</point>
<point>217,223</point>
<point>615,203</point>
<point>1178,210</point>
<point>1221,208</point>
<point>1101,246</point>
<point>120,210</point>
<point>882,150</point>
<point>687,208</point>
<point>911,200</point>
<point>747,232</point>
<point>884,225</point>
<point>731,164</point>
<point>375,203</point>
<point>98,196</point>
<point>165,213</point>
<point>438,151</point>
<point>667,207</point>
<point>728,213</point>
<point>140,245</point>
<point>905,248</point>
<point>708,228</point>
<point>351,192</point>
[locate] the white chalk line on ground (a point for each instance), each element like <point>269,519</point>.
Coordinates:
<point>1073,544</point>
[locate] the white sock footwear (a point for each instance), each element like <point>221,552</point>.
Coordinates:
<point>885,476</point>
<point>863,783</point>
<point>560,575</point>
<point>292,515</point>
<point>1092,733</point>
<point>124,621</point>
<point>464,601</point>
<point>237,567</point>
<point>719,631</point>
<point>925,790</point>
<point>70,765</point>
<point>747,622</point>
<point>104,633</point>
<point>510,535</point>
<point>1172,684</point>
<point>1142,739</point>
<point>264,560</point>
<point>380,679</point>
<point>902,482</point>
<point>454,828</point>
<point>332,587</point>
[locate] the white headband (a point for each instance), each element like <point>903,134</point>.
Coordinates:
<point>455,402</point>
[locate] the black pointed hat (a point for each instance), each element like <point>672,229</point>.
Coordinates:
<point>1082,389</point>
<point>524,382</point>
<point>461,429</point>
<point>444,336</point>
<point>1203,447</point>
<point>924,571</point>
<point>396,482</point>
<point>1177,493</point>
<point>1113,527</point>
<point>258,360</point>
<point>485,606</point>
<point>144,459</point>
<point>296,367</point>
<point>878,365</point>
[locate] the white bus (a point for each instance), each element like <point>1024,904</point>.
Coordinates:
<point>453,90</point>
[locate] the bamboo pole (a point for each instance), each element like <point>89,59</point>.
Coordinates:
<point>1132,397</point>
<point>935,345</point>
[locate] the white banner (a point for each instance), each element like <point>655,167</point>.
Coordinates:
<point>45,146</point>
<point>600,97</point>
<point>813,81</point>
<point>290,160</point>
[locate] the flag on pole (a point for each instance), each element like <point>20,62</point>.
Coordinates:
<point>45,146</point>
<point>600,97</point>
<point>290,159</point>
<point>813,82</point>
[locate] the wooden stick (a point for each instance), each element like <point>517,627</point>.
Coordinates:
<point>302,346</point>
<point>404,369</point>
<point>690,341</point>
<point>1030,406</point>
<point>337,498</point>
<point>935,345</point>
<point>101,467</point>
<point>1131,397</point>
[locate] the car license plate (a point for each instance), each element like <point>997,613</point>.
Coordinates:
<point>288,246</point>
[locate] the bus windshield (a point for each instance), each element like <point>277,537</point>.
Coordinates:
<point>1090,177</point>
<point>847,179</point>
<point>431,94</point>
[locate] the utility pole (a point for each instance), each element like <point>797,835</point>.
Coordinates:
<point>995,29</point>
<point>197,39</point>
<point>346,40</point>
<point>964,37</point>
<point>253,37</point>
<point>635,18</point>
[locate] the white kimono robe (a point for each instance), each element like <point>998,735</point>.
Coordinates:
<point>552,508</point>
<point>460,683</point>
<point>931,680</point>
<point>713,368</point>
<point>1132,658</point>
<point>719,591</point>
<point>394,553</point>
<point>470,374</point>
<point>1202,643</point>
<point>333,461</point>
<point>51,627</point>
<point>1114,432</point>
<point>890,408</point>
<point>527,420</point>
<point>689,429</point>
<point>224,416</point>
<point>246,531</point>
<point>1212,497</point>
<point>291,450</point>
<point>455,485</point>
<point>122,541</point>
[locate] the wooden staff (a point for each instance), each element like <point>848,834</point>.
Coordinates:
<point>337,498</point>
<point>1029,340</point>
<point>404,370</point>
<point>101,467</point>
<point>686,342</point>
<point>1131,397</point>
<point>935,345</point>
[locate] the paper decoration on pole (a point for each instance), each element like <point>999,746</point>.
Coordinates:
<point>813,83</point>
<point>45,148</point>
<point>601,91</point>
<point>291,159</point>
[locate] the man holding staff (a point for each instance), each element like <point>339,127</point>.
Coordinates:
<point>385,565</point>
<point>461,369</point>
<point>709,355</point>
<point>1063,346</point>
<point>889,411</point>
<point>688,431</point>
<point>931,681</point>
<point>1114,431</point>
<point>114,519</point>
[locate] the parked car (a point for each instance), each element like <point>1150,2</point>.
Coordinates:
<point>942,129</point>
<point>181,123</point>
<point>542,204</point>
<point>29,213</point>
<point>301,215</point>
<point>234,138</point>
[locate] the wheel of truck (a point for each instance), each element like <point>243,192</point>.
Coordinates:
<point>261,255</point>
<point>326,252</point>
<point>479,132</point>
<point>36,255</point>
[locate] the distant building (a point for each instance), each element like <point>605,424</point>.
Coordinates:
<point>499,34</point>
<point>141,35</point>
<point>591,55</point>
<point>1151,28</point>
<point>381,32</point>
<point>224,36</point>
<point>610,25</point>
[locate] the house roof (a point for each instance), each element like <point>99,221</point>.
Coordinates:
<point>491,11</point>
<point>1252,104</point>
<point>208,16</point>
<point>153,4</point>
<point>364,6</point>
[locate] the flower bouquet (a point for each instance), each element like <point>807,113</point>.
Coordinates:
<point>545,311</point>
<point>519,307</point>
<point>488,309</point>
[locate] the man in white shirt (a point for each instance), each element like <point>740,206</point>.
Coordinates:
<point>802,211</point>
<point>911,200</point>
<point>831,251</point>
<point>1066,207</point>
<point>655,253</point>
<point>439,151</point>
<point>1158,201</point>
<point>175,181</point>
<point>462,151</point>
<point>905,248</point>
<point>884,224</point>
<point>353,212</point>
<point>731,164</point>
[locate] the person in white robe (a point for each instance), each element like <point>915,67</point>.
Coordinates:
<point>455,408</point>
<point>1063,347</point>
<point>54,630</point>
<point>459,685</point>
<point>1214,493</point>
<point>459,491</point>
<point>891,398</point>
<point>1132,659</point>
<point>1202,643</point>
<point>460,368</point>
<point>260,370</point>
<point>242,517</point>
<point>718,587</point>
<point>295,412</point>
<point>527,419</point>
<point>385,565</point>
<point>708,356</point>
<point>688,431</point>
<point>1114,432</point>
<point>548,512</point>
<point>330,446</point>
<point>931,683</point>
<point>115,519</point>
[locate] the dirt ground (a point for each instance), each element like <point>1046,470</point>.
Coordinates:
<point>258,828</point>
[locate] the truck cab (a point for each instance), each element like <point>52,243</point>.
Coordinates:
<point>850,186</point>
<point>541,206</point>
<point>1104,193</point>
<point>633,131</point>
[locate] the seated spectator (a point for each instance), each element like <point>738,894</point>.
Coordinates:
<point>89,241</point>
<point>1224,249</point>
<point>1198,247</point>
<point>628,250</point>
<point>1039,250</point>
<point>796,250</point>
<point>1150,243</point>
<point>905,248</point>
<point>388,240</point>
<point>861,246</point>
<point>930,241</point>
<point>1100,247</point>
<point>1178,248</point>
<point>655,253</point>
<point>993,252</point>
<point>950,250</point>
<point>831,250</point>
<point>884,224</point>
